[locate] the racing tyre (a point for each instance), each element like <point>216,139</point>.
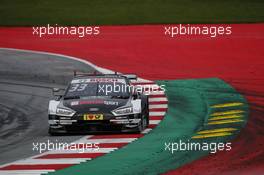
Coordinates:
<point>143,123</point>
<point>53,133</point>
<point>147,115</point>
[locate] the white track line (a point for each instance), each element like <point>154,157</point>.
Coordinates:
<point>24,172</point>
<point>100,150</point>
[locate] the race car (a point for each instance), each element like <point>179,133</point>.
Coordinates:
<point>99,102</point>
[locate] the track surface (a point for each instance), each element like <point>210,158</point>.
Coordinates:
<point>25,112</point>
<point>26,80</point>
<point>238,59</point>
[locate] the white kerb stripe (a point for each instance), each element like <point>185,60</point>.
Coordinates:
<point>158,106</point>
<point>154,99</point>
<point>146,131</point>
<point>154,93</point>
<point>51,161</point>
<point>157,113</point>
<point>154,122</point>
<point>122,140</point>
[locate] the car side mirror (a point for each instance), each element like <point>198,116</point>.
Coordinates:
<point>55,89</point>
<point>58,93</point>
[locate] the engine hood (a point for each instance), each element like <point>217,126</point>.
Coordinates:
<point>95,105</point>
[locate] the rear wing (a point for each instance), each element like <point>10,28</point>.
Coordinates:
<point>95,73</point>
<point>130,76</point>
<point>81,74</point>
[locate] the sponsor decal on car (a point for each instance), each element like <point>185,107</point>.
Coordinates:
<point>101,80</point>
<point>111,103</point>
<point>85,102</point>
<point>93,117</point>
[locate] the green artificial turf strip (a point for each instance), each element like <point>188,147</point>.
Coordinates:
<point>189,108</point>
<point>114,12</point>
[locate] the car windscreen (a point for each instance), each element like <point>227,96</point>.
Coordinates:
<point>78,90</point>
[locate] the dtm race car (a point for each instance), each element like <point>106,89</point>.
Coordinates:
<point>102,102</point>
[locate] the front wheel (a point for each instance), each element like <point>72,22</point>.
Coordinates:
<point>55,132</point>
<point>51,132</point>
<point>142,124</point>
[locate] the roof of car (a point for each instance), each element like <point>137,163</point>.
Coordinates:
<point>100,75</point>
<point>100,78</point>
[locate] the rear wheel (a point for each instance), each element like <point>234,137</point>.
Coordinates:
<point>140,127</point>
<point>143,124</point>
<point>147,115</point>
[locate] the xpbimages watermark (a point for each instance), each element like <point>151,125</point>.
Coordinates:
<point>80,31</point>
<point>61,146</point>
<point>195,30</point>
<point>196,146</point>
<point>124,88</point>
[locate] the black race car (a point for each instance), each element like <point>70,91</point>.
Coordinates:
<point>99,102</point>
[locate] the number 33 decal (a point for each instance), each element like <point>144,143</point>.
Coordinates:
<point>77,87</point>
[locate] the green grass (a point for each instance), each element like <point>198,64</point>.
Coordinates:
<point>109,12</point>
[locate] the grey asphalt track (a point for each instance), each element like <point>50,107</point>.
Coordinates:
<point>26,80</point>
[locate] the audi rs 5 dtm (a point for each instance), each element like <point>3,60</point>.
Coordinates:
<point>94,103</point>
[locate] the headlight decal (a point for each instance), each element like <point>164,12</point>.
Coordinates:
<point>65,112</point>
<point>123,111</point>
